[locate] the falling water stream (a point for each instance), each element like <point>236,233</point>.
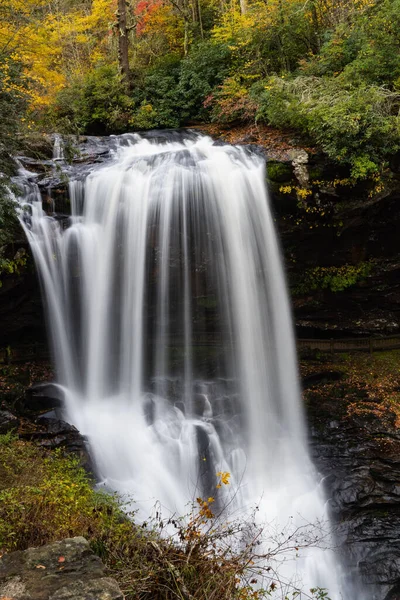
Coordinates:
<point>173,339</point>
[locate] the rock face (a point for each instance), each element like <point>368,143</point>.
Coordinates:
<point>329,228</point>
<point>59,571</point>
<point>21,310</point>
<point>52,433</point>
<point>356,447</point>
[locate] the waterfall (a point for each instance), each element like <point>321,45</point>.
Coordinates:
<point>173,340</point>
<point>58,148</point>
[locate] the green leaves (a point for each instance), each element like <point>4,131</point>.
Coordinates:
<point>355,125</point>
<point>96,103</point>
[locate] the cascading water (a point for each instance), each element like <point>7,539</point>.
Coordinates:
<point>173,338</point>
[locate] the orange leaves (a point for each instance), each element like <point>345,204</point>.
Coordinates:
<point>146,11</point>
<point>158,19</point>
<point>205,511</point>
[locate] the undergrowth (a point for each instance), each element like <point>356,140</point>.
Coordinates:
<point>45,497</point>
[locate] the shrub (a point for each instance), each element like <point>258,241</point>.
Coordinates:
<point>335,279</point>
<point>97,103</point>
<point>359,126</point>
<point>364,48</point>
<point>202,71</point>
<point>231,102</point>
<point>157,98</point>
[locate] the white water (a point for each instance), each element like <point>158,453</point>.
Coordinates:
<point>58,148</point>
<point>170,246</point>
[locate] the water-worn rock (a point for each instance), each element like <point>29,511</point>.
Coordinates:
<point>40,398</point>
<point>60,571</point>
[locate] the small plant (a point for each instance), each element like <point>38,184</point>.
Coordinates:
<point>335,279</point>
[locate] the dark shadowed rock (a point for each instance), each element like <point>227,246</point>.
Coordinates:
<point>358,454</point>
<point>8,422</point>
<point>60,571</point>
<point>40,398</point>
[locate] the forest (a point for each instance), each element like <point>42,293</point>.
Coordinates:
<point>328,70</point>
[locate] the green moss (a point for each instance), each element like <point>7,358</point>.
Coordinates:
<point>316,173</point>
<point>279,172</point>
<point>335,279</point>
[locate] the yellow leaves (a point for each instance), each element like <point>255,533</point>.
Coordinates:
<point>54,43</point>
<point>205,511</point>
<point>302,193</point>
<point>235,25</point>
<point>224,477</point>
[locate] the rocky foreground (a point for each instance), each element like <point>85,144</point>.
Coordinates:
<point>60,571</point>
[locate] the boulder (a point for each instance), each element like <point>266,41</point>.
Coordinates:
<point>40,398</point>
<point>58,571</point>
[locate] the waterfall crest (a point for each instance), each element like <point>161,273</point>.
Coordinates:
<point>173,338</point>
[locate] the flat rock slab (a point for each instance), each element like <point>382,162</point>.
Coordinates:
<point>60,571</point>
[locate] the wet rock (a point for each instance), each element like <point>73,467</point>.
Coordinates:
<point>21,310</point>
<point>40,398</point>
<point>8,422</point>
<point>59,571</point>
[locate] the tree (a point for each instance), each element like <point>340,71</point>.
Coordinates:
<point>123,42</point>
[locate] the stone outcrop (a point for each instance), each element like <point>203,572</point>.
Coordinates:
<point>51,433</point>
<point>59,571</point>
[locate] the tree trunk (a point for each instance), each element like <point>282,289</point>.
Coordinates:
<point>316,27</point>
<point>123,41</point>
<point>243,7</point>
<point>186,38</point>
<point>196,15</point>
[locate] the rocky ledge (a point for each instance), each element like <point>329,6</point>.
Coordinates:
<point>60,571</point>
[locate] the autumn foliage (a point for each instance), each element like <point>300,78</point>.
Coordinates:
<point>329,69</point>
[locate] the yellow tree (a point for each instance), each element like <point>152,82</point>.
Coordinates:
<point>55,41</point>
